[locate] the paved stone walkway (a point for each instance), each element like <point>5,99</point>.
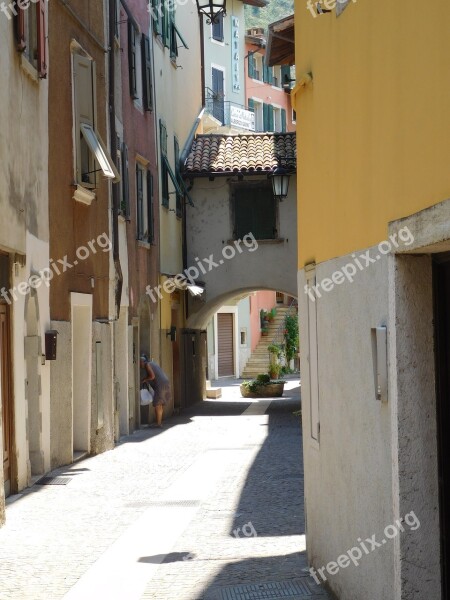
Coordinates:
<point>209,508</point>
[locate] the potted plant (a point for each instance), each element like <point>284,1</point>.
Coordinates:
<point>262,387</point>
<point>271,314</point>
<point>274,371</point>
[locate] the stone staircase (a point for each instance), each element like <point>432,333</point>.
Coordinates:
<point>259,360</point>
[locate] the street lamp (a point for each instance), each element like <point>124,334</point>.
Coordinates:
<point>280,178</point>
<point>212,9</point>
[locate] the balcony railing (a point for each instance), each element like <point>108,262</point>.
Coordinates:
<point>229,113</point>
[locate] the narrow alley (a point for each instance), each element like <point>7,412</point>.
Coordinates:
<point>208,508</point>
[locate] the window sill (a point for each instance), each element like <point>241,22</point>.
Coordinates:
<point>28,68</point>
<point>145,245</point>
<point>83,195</point>
<point>275,241</point>
<point>258,81</point>
<point>218,42</point>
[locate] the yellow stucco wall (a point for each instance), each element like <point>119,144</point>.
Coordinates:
<point>374,127</point>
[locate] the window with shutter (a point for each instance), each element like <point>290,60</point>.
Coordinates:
<point>165,198</point>
<point>166,23</point>
<point>142,203</point>
<point>179,197</point>
<point>150,212</point>
<point>283,121</point>
<point>132,60</point>
<point>125,200</point>
<point>147,81</point>
<point>251,65</point>
<point>270,118</point>
<point>156,16</point>
<point>255,211</point>
<point>265,117</point>
<point>251,104</point>
<point>41,39</point>
<point>173,42</point>
<point>90,151</point>
<point>19,23</point>
<point>217,29</point>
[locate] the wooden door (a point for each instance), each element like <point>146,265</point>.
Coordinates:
<point>441,276</point>
<point>6,395</point>
<point>225,341</point>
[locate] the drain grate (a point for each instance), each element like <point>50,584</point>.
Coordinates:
<point>295,590</point>
<point>54,481</point>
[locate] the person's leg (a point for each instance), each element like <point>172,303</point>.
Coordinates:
<point>159,409</point>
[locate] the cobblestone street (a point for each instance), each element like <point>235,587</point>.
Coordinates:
<point>209,508</point>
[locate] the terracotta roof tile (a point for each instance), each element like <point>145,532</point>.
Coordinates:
<point>243,153</point>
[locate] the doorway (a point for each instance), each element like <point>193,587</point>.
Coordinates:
<point>225,344</point>
<point>81,371</point>
<point>441,276</point>
<point>6,397</point>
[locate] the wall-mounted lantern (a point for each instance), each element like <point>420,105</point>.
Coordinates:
<point>212,9</point>
<point>281,177</point>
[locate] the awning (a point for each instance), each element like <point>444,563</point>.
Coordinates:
<point>98,149</point>
<point>280,49</point>
<point>179,186</point>
<point>180,36</point>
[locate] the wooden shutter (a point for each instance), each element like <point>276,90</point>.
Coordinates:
<point>283,120</point>
<point>132,59</point>
<point>166,24</point>
<point>147,73</point>
<point>255,212</point>
<point>84,88</point>
<point>140,202</point>
<point>179,197</point>
<point>225,344</point>
<point>125,183</point>
<point>150,215</point>
<point>19,22</point>
<point>41,39</point>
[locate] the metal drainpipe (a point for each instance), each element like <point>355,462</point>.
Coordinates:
<point>112,126</point>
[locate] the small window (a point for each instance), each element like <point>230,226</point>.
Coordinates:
<point>243,337</point>
<point>144,204</point>
<point>217,28</point>
<point>255,211</point>
<point>132,59</point>
<point>30,26</point>
<point>125,197</point>
<point>147,79</point>
<point>91,153</point>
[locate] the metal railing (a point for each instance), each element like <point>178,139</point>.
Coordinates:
<point>221,109</point>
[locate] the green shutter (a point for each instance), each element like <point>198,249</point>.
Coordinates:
<point>283,120</point>
<point>251,104</point>
<point>166,24</point>
<point>265,117</point>
<point>255,212</point>
<point>270,118</point>
<point>251,65</point>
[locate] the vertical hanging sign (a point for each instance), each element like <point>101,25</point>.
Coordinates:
<point>235,60</point>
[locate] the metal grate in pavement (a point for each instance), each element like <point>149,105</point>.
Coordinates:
<point>54,481</point>
<point>293,590</point>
